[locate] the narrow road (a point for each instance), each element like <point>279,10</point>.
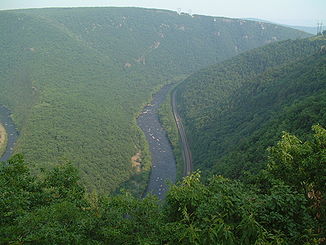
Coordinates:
<point>186,153</point>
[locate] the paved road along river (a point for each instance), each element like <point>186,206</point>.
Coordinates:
<point>163,161</point>
<point>12,132</point>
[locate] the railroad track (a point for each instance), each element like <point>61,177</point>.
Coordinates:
<point>186,153</point>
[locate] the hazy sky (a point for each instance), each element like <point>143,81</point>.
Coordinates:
<point>295,12</point>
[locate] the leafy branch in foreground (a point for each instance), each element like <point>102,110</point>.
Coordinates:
<point>284,204</point>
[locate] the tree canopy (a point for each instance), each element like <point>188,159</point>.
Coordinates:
<point>284,204</point>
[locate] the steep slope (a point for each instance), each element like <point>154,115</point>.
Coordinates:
<point>235,110</point>
<point>158,38</point>
<point>58,98</point>
<point>75,79</point>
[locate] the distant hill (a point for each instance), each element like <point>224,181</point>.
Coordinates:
<point>308,29</point>
<point>76,78</point>
<point>234,110</point>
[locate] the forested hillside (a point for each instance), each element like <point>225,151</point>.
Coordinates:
<point>235,110</point>
<point>75,79</point>
<point>281,206</point>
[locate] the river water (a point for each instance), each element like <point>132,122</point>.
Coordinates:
<point>163,170</point>
<point>12,133</point>
<point>163,161</point>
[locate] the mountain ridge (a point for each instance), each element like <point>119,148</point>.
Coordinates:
<point>76,78</point>
<point>241,106</point>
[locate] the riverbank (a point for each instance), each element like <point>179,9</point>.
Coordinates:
<point>11,132</point>
<point>168,122</point>
<point>186,153</point>
<point>3,139</point>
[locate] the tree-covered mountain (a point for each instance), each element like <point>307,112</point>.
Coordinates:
<point>234,110</point>
<point>76,78</point>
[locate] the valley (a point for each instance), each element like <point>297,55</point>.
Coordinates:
<point>59,66</point>
<point>235,110</point>
<point>145,126</point>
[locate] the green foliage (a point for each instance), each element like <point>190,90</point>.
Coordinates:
<point>75,79</point>
<point>54,209</point>
<point>272,209</point>
<point>234,110</point>
<point>59,223</point>
<point>16,190</point>
<point>168,122</point>
<point>285,213</point>
<point>39,210</point>
<point>126,220</point>
<point>301,164</point>
<point>221,211</point>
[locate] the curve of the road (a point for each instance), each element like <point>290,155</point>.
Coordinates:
<point>186,153</point>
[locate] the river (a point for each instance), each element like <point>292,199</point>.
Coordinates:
<point>163,162</point>
<point>12,133</point>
